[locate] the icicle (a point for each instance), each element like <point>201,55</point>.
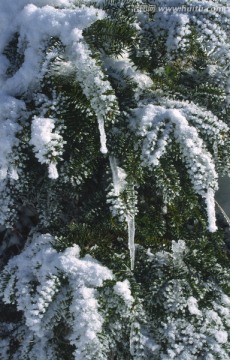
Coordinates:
<point>210,202</point>
<point>101,127</point>
<point>119,176</point>
<point>113,166</point>
<point>131,236</point>
<point>119,184</point>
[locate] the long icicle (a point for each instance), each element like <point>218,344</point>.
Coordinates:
<point>120,184</point>
<point>116,180</point>
<point>131,238</point>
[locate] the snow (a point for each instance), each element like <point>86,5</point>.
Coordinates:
<point>210,202</point>
<point>125,66</point>
<point>122,289</point>
<point>40,263</point>
<point>52,171</point>
<point>221,336</point>
<point>101,126</point>
<point>193,306</point>
<point>35,277</point>
<point>36,26</point>
<point>46,143</point>
<point>36,23</point>
<point>10,111</point>
<point>226,299</point>
<point>152,121</point>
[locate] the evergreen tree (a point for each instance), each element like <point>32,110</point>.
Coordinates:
<point>114,129</point>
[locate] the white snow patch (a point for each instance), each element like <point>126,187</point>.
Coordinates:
<point>221,336</point>
<point>193,306</point>
<point>45,142</point>
<point>122,289</point>
<point>156,124</point>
